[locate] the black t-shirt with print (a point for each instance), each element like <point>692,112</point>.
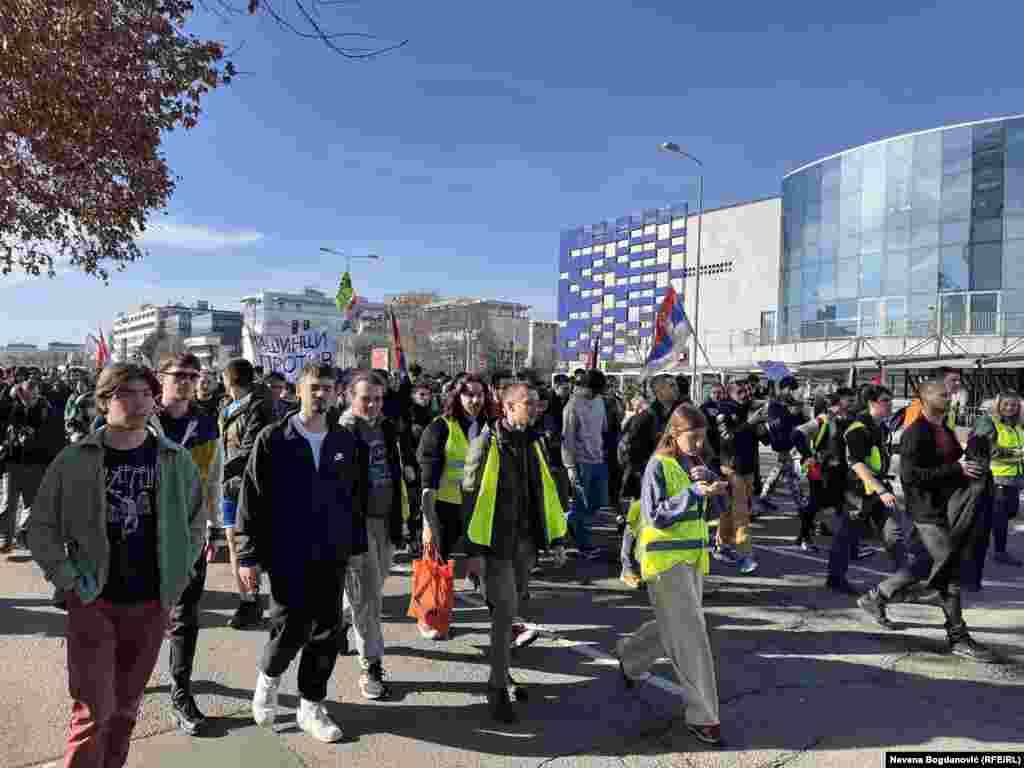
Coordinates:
<point>131,524</point>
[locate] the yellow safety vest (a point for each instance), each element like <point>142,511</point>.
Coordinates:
<point>826,424</point>
<point>874,458</point>
<point>481,524</point>
<point>1008,437</point>
<point>661,549</point>
<point>455,450</point>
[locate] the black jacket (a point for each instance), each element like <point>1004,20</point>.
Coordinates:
<point>637,446</point>
<point>928,482</point>
<point>519,507</point>
<point>430,451</point>
<point>33,435</point>
<point>737,437</point>
<point>289,512</point>
<point>239,432</point>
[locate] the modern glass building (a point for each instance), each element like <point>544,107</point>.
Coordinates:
<point>914,235</point>
<point>612,277</point>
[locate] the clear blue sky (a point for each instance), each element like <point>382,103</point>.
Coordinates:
<point>461,157</point>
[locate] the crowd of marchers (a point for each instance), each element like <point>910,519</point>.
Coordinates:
<point>126,485</point>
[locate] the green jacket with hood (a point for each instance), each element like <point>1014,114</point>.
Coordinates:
<point>67,531</point>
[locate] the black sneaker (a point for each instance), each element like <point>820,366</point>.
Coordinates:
<point>186,714</point>
<point>249,615</point>
<point>824,530</point>
<point>516,690</point>
<point>371,683</point>
<point>873,604</point>
<point>500,704</point>
<point>968,648</point>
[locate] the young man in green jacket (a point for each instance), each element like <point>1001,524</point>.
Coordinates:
<point>116,525</point>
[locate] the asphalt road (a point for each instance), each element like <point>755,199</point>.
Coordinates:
<point>804,678</point>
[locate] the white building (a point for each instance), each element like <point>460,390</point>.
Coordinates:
<point>132,328</point>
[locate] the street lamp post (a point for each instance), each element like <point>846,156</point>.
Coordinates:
<point>675,149</point>
<point>348,267</point>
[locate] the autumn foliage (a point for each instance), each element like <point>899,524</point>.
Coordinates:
<point>86,89</point>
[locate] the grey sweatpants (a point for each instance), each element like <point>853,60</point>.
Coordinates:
<point>363,597</point>
<point>504,581</point>
<point>678,631</point>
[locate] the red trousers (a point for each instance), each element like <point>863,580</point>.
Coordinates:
<point>112,649</point>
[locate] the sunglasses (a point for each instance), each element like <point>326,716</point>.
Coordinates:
<point>180,377</point>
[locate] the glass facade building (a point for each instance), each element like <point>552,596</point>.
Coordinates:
<point>907,236</point>
<point>612,277</point>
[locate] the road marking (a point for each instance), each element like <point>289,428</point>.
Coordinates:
<point>883,574</point>
<point>589,651</point>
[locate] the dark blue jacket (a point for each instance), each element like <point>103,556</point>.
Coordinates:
<point>782,423</point>
<point>291,514</point>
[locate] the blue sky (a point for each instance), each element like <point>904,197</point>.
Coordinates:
<point>459,158</point>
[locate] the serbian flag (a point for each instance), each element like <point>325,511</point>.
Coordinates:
<point>593,356</point>
<point>396,342</point>
<point>102,352</point>
<point>671,335</point>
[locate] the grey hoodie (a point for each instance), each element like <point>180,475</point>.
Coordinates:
<point>583,426</point>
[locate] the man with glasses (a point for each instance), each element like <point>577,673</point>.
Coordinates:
<point>183,422</point>
<point>117,526</point>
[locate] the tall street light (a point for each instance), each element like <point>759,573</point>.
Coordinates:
<point>348,257</point>
<point>675,149</point>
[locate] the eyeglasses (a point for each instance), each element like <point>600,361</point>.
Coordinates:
<point>125,394</point>
<point>180,377</point>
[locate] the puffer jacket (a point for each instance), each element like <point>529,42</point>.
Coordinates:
<point>239,432</point>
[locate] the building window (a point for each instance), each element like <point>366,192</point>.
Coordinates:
<point>609,301</point>
<point>586,272</point>
<point>646,309</point>
<point>573,288</point>
<point>620,326</point>
<point>574,315</point>
<point>638,248</point>
<point>624,259</point>
<point>678,261</point>
<point>651,261</point>
<point>636,279</point>
<point>585,294</point>
<point>588,250</point>
<point>563,276</point>
<point>636,264</point>
<point>678,241</point>
<point>623,243</point>
<point>664,257</point>
<point>583,336</point>
<point>649,277</point>
<point>609,280</point>
<point>651,246</point>
<point>664,231</point>
<point>595,309</point>
<point>646,324</point>
<point>662,281</point>
<point>609,320</point>
<point>633,314</point>
<point>596,327</point>
<point>572,345</point>
<point>598,263</point>
<point>636,233</point>
<point>621,304</point>
<point>651,229</point>
<point>648,294</point>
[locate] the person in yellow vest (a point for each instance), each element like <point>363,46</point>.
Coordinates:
<point>442,457</point>
<point>673,552</point>
<point>1004,430</point>
<point>512,512</point>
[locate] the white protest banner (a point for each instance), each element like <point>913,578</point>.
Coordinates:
<point>287,353</point>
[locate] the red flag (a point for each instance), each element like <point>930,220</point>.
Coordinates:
<point>102,352</point>
<point>396,342</point>
<point>592,358</point>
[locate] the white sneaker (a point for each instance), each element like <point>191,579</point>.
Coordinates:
<point>264,700</point>
<point>314,719</point>
<point>428,632</point>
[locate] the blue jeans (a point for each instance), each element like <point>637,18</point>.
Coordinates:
<point>591,494</point>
